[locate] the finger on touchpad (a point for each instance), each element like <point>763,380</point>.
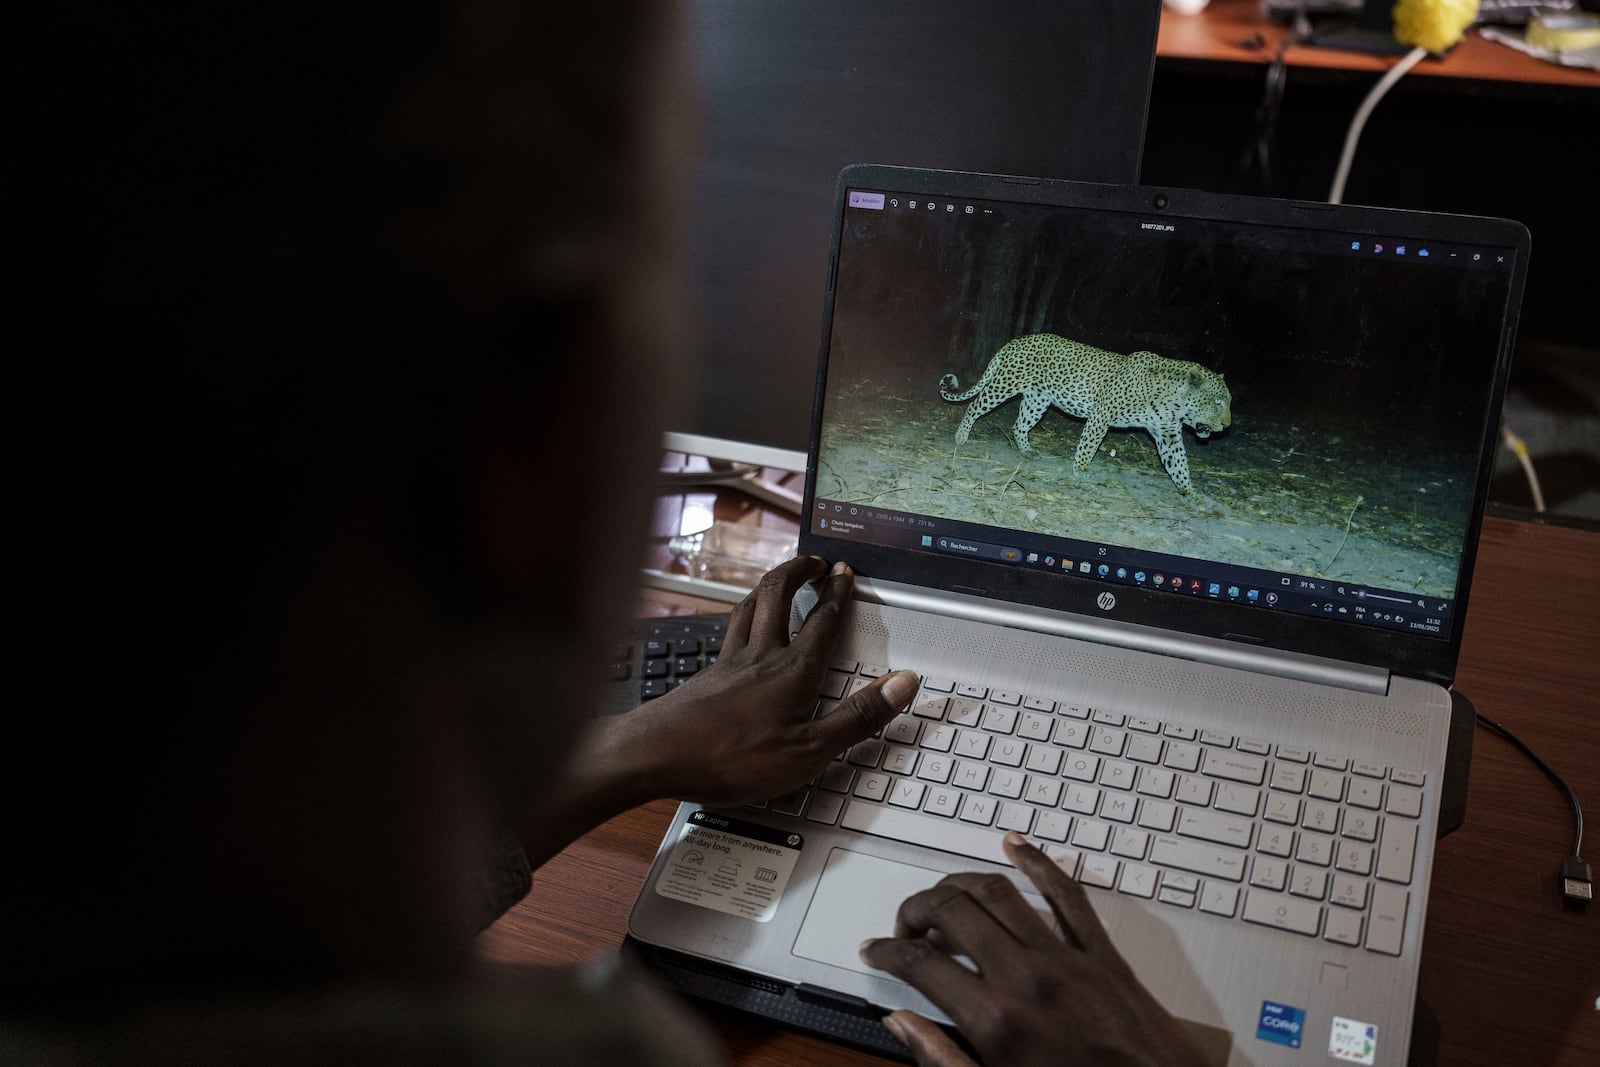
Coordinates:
<point>857,897</point>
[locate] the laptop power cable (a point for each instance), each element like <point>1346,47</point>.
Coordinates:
<point>1577,881</point>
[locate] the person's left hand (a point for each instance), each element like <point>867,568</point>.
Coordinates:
<point>742,729</point>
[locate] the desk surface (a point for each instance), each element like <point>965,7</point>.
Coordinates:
<point>1235,31</point>
<point>1508,972</point>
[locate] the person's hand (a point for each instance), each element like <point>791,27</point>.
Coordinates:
<point>1036,997</point>
<point>742,729</point>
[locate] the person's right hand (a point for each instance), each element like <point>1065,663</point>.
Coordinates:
<point>1036,997</point>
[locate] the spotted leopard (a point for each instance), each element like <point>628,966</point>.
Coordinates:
<point>1108,389</point>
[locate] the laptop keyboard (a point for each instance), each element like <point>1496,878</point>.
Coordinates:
<point>1239,828</point>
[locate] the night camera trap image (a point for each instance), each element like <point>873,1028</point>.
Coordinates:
<point>1212,398</point>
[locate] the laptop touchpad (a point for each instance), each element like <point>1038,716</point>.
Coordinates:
<point>857,897</point>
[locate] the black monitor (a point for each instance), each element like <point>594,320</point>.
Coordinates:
<point>793,90</point>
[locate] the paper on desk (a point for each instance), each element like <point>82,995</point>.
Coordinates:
<point>1588,58</point>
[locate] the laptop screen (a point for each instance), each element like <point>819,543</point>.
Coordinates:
<point>1208,404</point>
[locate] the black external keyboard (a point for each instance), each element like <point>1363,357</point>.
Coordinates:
<point>656,655</point>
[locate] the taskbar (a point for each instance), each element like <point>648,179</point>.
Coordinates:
<point>1231,583</point>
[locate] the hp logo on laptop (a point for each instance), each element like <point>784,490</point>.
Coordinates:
<point>1106,601</point>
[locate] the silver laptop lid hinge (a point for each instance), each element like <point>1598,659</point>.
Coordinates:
<point>1356,677</point>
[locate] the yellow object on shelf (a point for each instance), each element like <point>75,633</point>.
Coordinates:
<point>1436,25</point>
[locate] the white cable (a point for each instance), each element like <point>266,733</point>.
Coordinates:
<point>1519,448</point>
<point>1394,74</point>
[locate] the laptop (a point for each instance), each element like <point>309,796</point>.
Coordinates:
<point>1172,500</point>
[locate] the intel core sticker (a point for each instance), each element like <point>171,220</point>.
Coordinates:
<point>1280,1023</point>
<point>729,865</point>
<point>1353,1041</point>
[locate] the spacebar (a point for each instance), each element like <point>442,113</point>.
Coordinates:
<point>932,831</point>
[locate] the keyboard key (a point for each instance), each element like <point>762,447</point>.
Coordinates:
<point>1349,892</point>
<point>1099,871</point>
<point>866,753</point>
<point>1332,763</point>
<point>1275,841</point>
<point>1362,793</point>
<point>964,712</point>
<point>1068,859</point>
<point>1053,826</point>
<point>1081,768</point>
<point>1007,752</point>
<point>1087,833</point>
<point>898,759</point>
<point>1255,748</point>
<point>1034,726</point>
<point>1180,731</point>
<point>941,801</point>
<point>1043,759</point>
<point>1288,778</point>
<point>970,744</point>
<point>1183,756</point>
<point>978,809</point>
<point>1370,770</point>
<point>836,778</point>
<point>1282,808</point>
<point>1107,742</point>
<point>1284,912</point>
<point>1321,817</point>
<point>1326,786</point>
<point>1396,851</point>
<point>1315,849</point>
<point>1117,807</point>
<point>1235,766</point>
<point>790,803</point>
<point>916,829</point>
<point>1156,782</point>
<point>905,793</point>
<point>1158,815</point>
<point>1238,799</point>
<point>1044,791</point>
<point>1216,738</point>
<point>1354,858</point>
<point>902,730</point>
<point>1386,931</point>
<point>1293,755</point>
<point>1268,873</point>
<point>1143,725</point>
<point>971,775</point>
<point>1416,778</point>
<point>1194,791</point>
<point>930,707</point>
<point>1201,859</point>
<point>1143,748</point>
<point>1137,880</point>
<point>974,692</point>
<point>1108,718</point>
<point>825,808</point>
<point>1005,696</point>
<point>1070,733</point>
<point>1083,799</point>
<point>872,785</point>
<point>833,684</point>
<point>1039,704</point>
<point>1215,827</point>
<point>1073,711</point>
<point>999,719</point>
<point>1219,899</point>
<point>1007,783</point>
<point>1013,816</point>
<point>935,684</point>
<point>935,767</point>
<point>1118,775</point>
<point>1129,843</point>
<point>938,737</point>
<point>1343,927</point>
<point>1403,800</point>
<point>1309,882</point>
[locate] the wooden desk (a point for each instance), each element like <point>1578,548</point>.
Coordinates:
<point>1509,973</point>
<point>1235,31</point>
